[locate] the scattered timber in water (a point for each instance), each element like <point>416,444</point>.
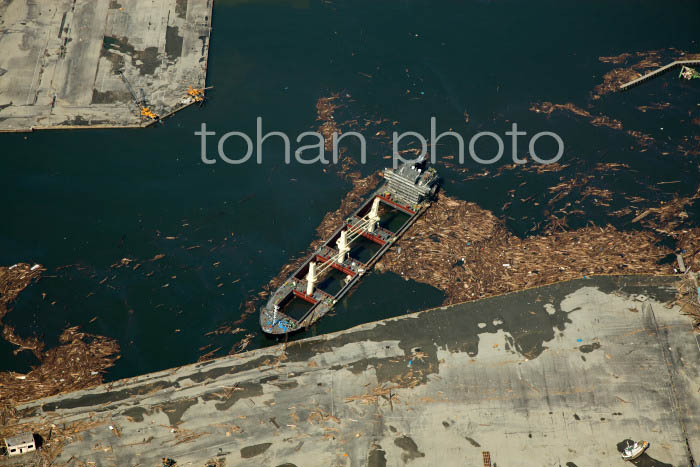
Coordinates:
<point>77,363</point>
<point>469,253</point>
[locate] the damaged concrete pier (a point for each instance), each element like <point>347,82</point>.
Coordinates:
<point>560,375</point>
<point>59,60</point>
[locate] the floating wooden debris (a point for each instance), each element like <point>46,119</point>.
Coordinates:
<point>647,60</point>
<point>595,120</point>
<point>325,108</point>
<point>460,248</point>
<point>667,217</point>
<point>77,363</point>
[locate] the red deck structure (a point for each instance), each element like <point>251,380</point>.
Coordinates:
<point>386,199</point>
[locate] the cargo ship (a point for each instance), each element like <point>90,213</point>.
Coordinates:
<point>352,250</point>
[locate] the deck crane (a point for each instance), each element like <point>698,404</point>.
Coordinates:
<point>197,94</point>
<point>140,102</point>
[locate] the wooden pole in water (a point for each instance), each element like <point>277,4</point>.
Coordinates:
<point>681,264</point>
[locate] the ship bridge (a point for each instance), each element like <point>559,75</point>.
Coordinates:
<point>411,184</point>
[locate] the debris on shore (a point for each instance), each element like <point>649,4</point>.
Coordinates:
<point>689,297</point>
<point>54,435</point>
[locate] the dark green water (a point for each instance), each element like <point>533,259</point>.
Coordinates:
<point>90,198</point>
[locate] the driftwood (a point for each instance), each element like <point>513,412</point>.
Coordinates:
<point>468,253</point>
<point>77,363</point>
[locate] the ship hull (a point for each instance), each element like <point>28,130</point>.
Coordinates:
<point>296,304</point>
<point>278,323</point>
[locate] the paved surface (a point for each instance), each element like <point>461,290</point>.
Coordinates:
<point>555,376</point>
<point>58,59</point>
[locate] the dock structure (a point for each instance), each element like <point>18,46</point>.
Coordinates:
<point>657,72</point>
<point>99,63</point>
<point>556,375</point>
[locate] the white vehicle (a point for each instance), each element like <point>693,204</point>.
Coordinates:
<point>633,451</point>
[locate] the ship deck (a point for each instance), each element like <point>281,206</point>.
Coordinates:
<point>354,266</point>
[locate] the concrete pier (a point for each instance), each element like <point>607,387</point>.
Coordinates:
<point>657,72</point>
<point>555,376</point>
<point>59,60</point>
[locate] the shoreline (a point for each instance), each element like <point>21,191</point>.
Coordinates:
<point>422,366</point>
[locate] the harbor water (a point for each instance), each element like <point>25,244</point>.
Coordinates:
<point>208,237</point>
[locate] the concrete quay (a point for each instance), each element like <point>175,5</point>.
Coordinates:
<point>559,375</point>
<point>59,60</point>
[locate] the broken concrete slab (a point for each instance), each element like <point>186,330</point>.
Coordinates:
<point>62,57</point>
